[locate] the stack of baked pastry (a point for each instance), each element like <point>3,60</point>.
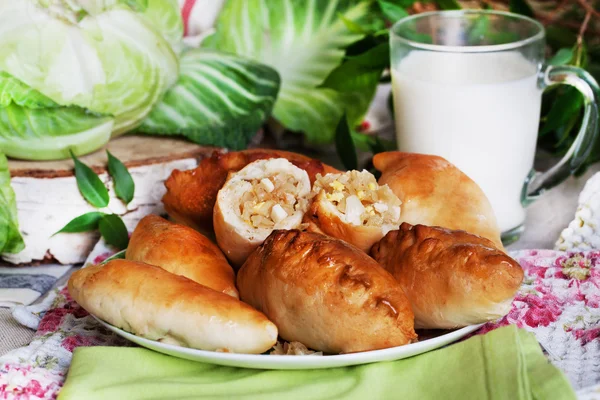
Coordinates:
<point>270,244</point>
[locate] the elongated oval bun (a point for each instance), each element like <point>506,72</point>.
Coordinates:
<point>158,305</point>
<point>182,251</point>
<point>435,192</point>
<point>452,278</point>
<point>326,294</point>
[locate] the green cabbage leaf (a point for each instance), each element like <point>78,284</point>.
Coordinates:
<point>32,126</point>
<point>74,73</point>
<point>100,66</point>
<point>304,40</point>
<point>219,100</point>
<point>10,237</point>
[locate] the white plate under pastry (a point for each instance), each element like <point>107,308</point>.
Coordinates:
<point>263,361</point>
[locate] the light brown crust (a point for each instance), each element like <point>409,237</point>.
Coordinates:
<point>452,278</point>
<point>153,303</point>
<point>237,237</point>
<point>191,195</point>
<point>326,294</point>
<point>182,251</point>
<point>234,244</point>
<point>436,193</point>
<point>322,220</point>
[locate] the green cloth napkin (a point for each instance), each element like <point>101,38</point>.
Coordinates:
<point>506,363</point>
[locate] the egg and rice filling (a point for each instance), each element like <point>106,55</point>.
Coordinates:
<point>358,198</point>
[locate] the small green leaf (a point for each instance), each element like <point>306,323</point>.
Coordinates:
<point>419,37</point>
<point>580,55</point>
<point>372,143</point>
<point>375,57</point>
<point>448,4</point>
<point>378,146</point>
<point>120,255</point>
<point>113,231</point>
<point>521,7</point>
<point>392,11</point>
<point>562,56</point>
<point>90,185</point>
<point>361,141</point>
<point>352,26</point>
<point>562,134</point>
<point>345,145</point>
<point>356,83</point>
<point>351,77</point>
<point>83,223</point>
<point>388,145</point>
<point>124,185</point>
<point>367,43</point>
<point>563,109</point>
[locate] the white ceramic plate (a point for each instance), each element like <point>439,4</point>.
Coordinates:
<point>296,362</point>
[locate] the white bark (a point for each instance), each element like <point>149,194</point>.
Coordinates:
<point>46,205</point>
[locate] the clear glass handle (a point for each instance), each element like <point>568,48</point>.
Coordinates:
<point>537,182</point>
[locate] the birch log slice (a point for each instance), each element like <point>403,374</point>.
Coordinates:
<point>48,197</point>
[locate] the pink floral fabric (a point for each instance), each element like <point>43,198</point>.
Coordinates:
<point>38,370</point>
<point>27,382</point>
<point>558,302</point>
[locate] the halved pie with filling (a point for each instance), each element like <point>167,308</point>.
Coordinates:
<point>263,196</point>
<point>353,207</point>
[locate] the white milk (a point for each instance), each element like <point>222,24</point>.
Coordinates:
<point>480,112</point>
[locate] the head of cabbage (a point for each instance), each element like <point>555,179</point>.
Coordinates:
<point>76,72</point>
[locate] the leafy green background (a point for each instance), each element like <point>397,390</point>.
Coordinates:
<point>572,36</point>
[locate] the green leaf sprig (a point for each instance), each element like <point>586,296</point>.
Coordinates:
<point>562,107</point>
<point>392,11</point>
<point>345,145</point>
<point>83,223</point>
<point>90,185</point>
<point>362,68</point>
<point>113,230</point>
<point>124,185</point>
<point>111,226</point>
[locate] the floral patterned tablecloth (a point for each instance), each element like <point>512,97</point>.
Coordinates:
<point>559,302</point>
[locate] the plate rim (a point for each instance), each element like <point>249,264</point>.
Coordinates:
<point>266,361</point>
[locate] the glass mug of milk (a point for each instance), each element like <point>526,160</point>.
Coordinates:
<point>467,86</point>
